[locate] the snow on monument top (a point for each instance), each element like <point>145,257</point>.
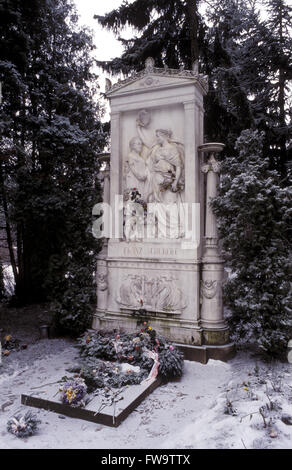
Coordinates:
<point>152,77</point>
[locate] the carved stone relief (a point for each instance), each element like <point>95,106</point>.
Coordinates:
<point>157,294</point>
<point>209,288</point>
<point>102,286</point>
<point>154,167</point>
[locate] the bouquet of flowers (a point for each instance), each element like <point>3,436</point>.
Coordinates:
<point>8,344</point>
<point>73,392</point>
<point>23,426</point>
<point>133,195</point>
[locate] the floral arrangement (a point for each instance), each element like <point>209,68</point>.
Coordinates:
<point>8,344</point>
<point>73,392</point>
<point>131,348</point>
<point>133,218</point>
<point>23,426</point>
<point>100,374</point>
<point>133,195</point>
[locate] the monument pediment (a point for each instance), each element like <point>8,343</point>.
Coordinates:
<point>152,77</point>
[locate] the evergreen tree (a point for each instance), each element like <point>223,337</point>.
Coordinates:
<point>255,214</point>
<point>279,56</point>
<point>170,31</point>
<point>51,134</point>
<point>236,69</point>
<point>247,58</point>
<point>249,64</point>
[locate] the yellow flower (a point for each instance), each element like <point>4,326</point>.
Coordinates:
<point>8,338</point>
<point>149,327</point>
<point>245,388</point>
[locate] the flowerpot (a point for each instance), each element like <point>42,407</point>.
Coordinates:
<point>44,331</point>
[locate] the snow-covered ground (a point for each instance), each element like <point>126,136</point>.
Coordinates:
<point>210,407</point>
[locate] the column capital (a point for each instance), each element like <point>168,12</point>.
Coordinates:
<point>211,165</point>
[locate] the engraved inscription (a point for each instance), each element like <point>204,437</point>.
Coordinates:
<point>140,251</point>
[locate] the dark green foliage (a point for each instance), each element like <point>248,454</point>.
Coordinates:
<point>249,62</point>
<point>50,137</point>
<point>129,378</point>
<point>131,348</point>
<point>170,363</point>
<point>92,380</point>
<point>97,345</point>
<point>248,59</point>
<point>99,374</point>
<point>115,346</point>
<point>255,215</point>
<point>168,31</point>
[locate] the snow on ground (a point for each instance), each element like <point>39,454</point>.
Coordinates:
<point>190,413</point>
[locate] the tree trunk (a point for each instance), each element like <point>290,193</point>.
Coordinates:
<point>8,230</point>
<point>192,15</point>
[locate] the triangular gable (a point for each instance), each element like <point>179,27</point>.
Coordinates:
<point>152,77</point>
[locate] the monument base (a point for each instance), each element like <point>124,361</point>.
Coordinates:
<point>216,336</point>
<point>203,353</point>
<point>177,330</point>
<point>196,343</point>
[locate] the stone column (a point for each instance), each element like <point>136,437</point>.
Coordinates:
<point>191,194</point>
<point>191,170</point>
<point>101,269</point>
<point>106,183</point>
<point>116,173</point>
<point>215,331</point>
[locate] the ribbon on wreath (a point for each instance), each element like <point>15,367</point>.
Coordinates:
<point>154,371</point>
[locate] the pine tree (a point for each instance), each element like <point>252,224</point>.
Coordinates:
<point>279,56</point>
<point>169,31</point>
<point>51,135</point>
<point>255,214</point>
<point>250,64</point>
<point>234,63</point>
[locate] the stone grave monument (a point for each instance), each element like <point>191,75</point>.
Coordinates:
<point>160,259</point>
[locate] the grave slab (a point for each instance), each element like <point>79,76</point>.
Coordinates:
<point>95,411</point>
